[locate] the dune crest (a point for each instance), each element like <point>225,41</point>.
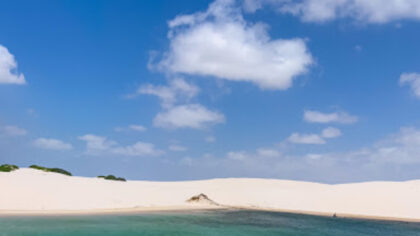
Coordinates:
<point>202,199</point>
<point>29,190</point>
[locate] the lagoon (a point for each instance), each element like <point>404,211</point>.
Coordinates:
<point>213,222</point>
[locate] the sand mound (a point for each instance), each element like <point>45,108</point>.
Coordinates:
<point>33,190</point>
<point>202,199</point>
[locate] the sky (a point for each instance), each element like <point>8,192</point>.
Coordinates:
<point>314,90</point>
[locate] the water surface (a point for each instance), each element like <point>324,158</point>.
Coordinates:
<point>224,222</point>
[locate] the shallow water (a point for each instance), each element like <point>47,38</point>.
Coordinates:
<point>201,223</point>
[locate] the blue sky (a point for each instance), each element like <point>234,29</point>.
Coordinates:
<point>164,90</point>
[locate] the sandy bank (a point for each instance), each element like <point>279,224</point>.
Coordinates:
<point>33,192</point>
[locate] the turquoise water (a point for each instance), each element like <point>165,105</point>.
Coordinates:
<point>201,223</point>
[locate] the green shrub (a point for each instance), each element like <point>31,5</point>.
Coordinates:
<point>8,168</point>
<point>55,170</point>
<point>111,177</point>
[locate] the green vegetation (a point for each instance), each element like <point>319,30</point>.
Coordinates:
<point>111,177</point>
<point>55,170</point>
<point>8,168</point>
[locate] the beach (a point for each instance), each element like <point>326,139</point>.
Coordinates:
<point>28,191</point>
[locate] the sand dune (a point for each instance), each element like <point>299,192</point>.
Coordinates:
<point>27,190</point>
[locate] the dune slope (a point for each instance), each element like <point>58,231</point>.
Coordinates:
<point>28,190</point>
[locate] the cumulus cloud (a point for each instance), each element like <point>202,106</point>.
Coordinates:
<point>137,149</point>
<point>8,68</point>
<point>210,139</point>
<point>252,5</point>
<point>177,148</point>
<point>395,157</point>
<point>403,147</point>
<point>327,133</point>
<point>99,145</point>
<point>366,11</point>
<point>330,132</point>
<point>412,80</point>
<point>11,130</point>
<point>52,144</point>
<point>306,139</point>
<point>220,43</point>
<point>259,154</point>
<point>96,144</point>
<point>177,113</point>
<point>400,148</point>
<point>188,116</point>
<point>177,90</point>
<point>237,155</point>
<point>137,128</point>
<point>313,156</point>
<point>337,117</point>
<point>268,152</point>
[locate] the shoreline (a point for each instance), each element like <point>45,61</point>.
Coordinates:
<point>189,209</point>
<point>339,215</point>
<point>28,192</point>
<point>116,211</point>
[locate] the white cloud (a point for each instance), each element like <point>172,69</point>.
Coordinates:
<point>210,139</point>
<point>138,128</point>
<point>52,144</point>
<point>366,11</point>
<point>316,10</point>
<point>138,149</point>
<point>259,154</point>
<point>327,133</point>
<point>11,130</point>
<point>8,67</point>
<point>330,132</point>
<point>314,156</point>
<point>187,116</point>
<point>237,156</point>
<point>267,152</point>
<point>400,148</point>
<point>98,145</point>
<point>174,115</point>
<point>408,136</point>
<point>252,5</point>
<point>187,161</point>
<point>337,117</point>
<point>118,129</point>
<point>178,89</point>
<point>413,80</point>
<point>177,148</point>
<point>396,157</point>
<point>306,139</point>
<point>220,43</point>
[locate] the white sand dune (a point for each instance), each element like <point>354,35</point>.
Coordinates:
<point>27,190</point>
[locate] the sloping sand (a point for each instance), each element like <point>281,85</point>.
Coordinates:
<point>27,190</point>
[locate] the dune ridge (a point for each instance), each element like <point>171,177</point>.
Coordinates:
<point>26,191</point>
